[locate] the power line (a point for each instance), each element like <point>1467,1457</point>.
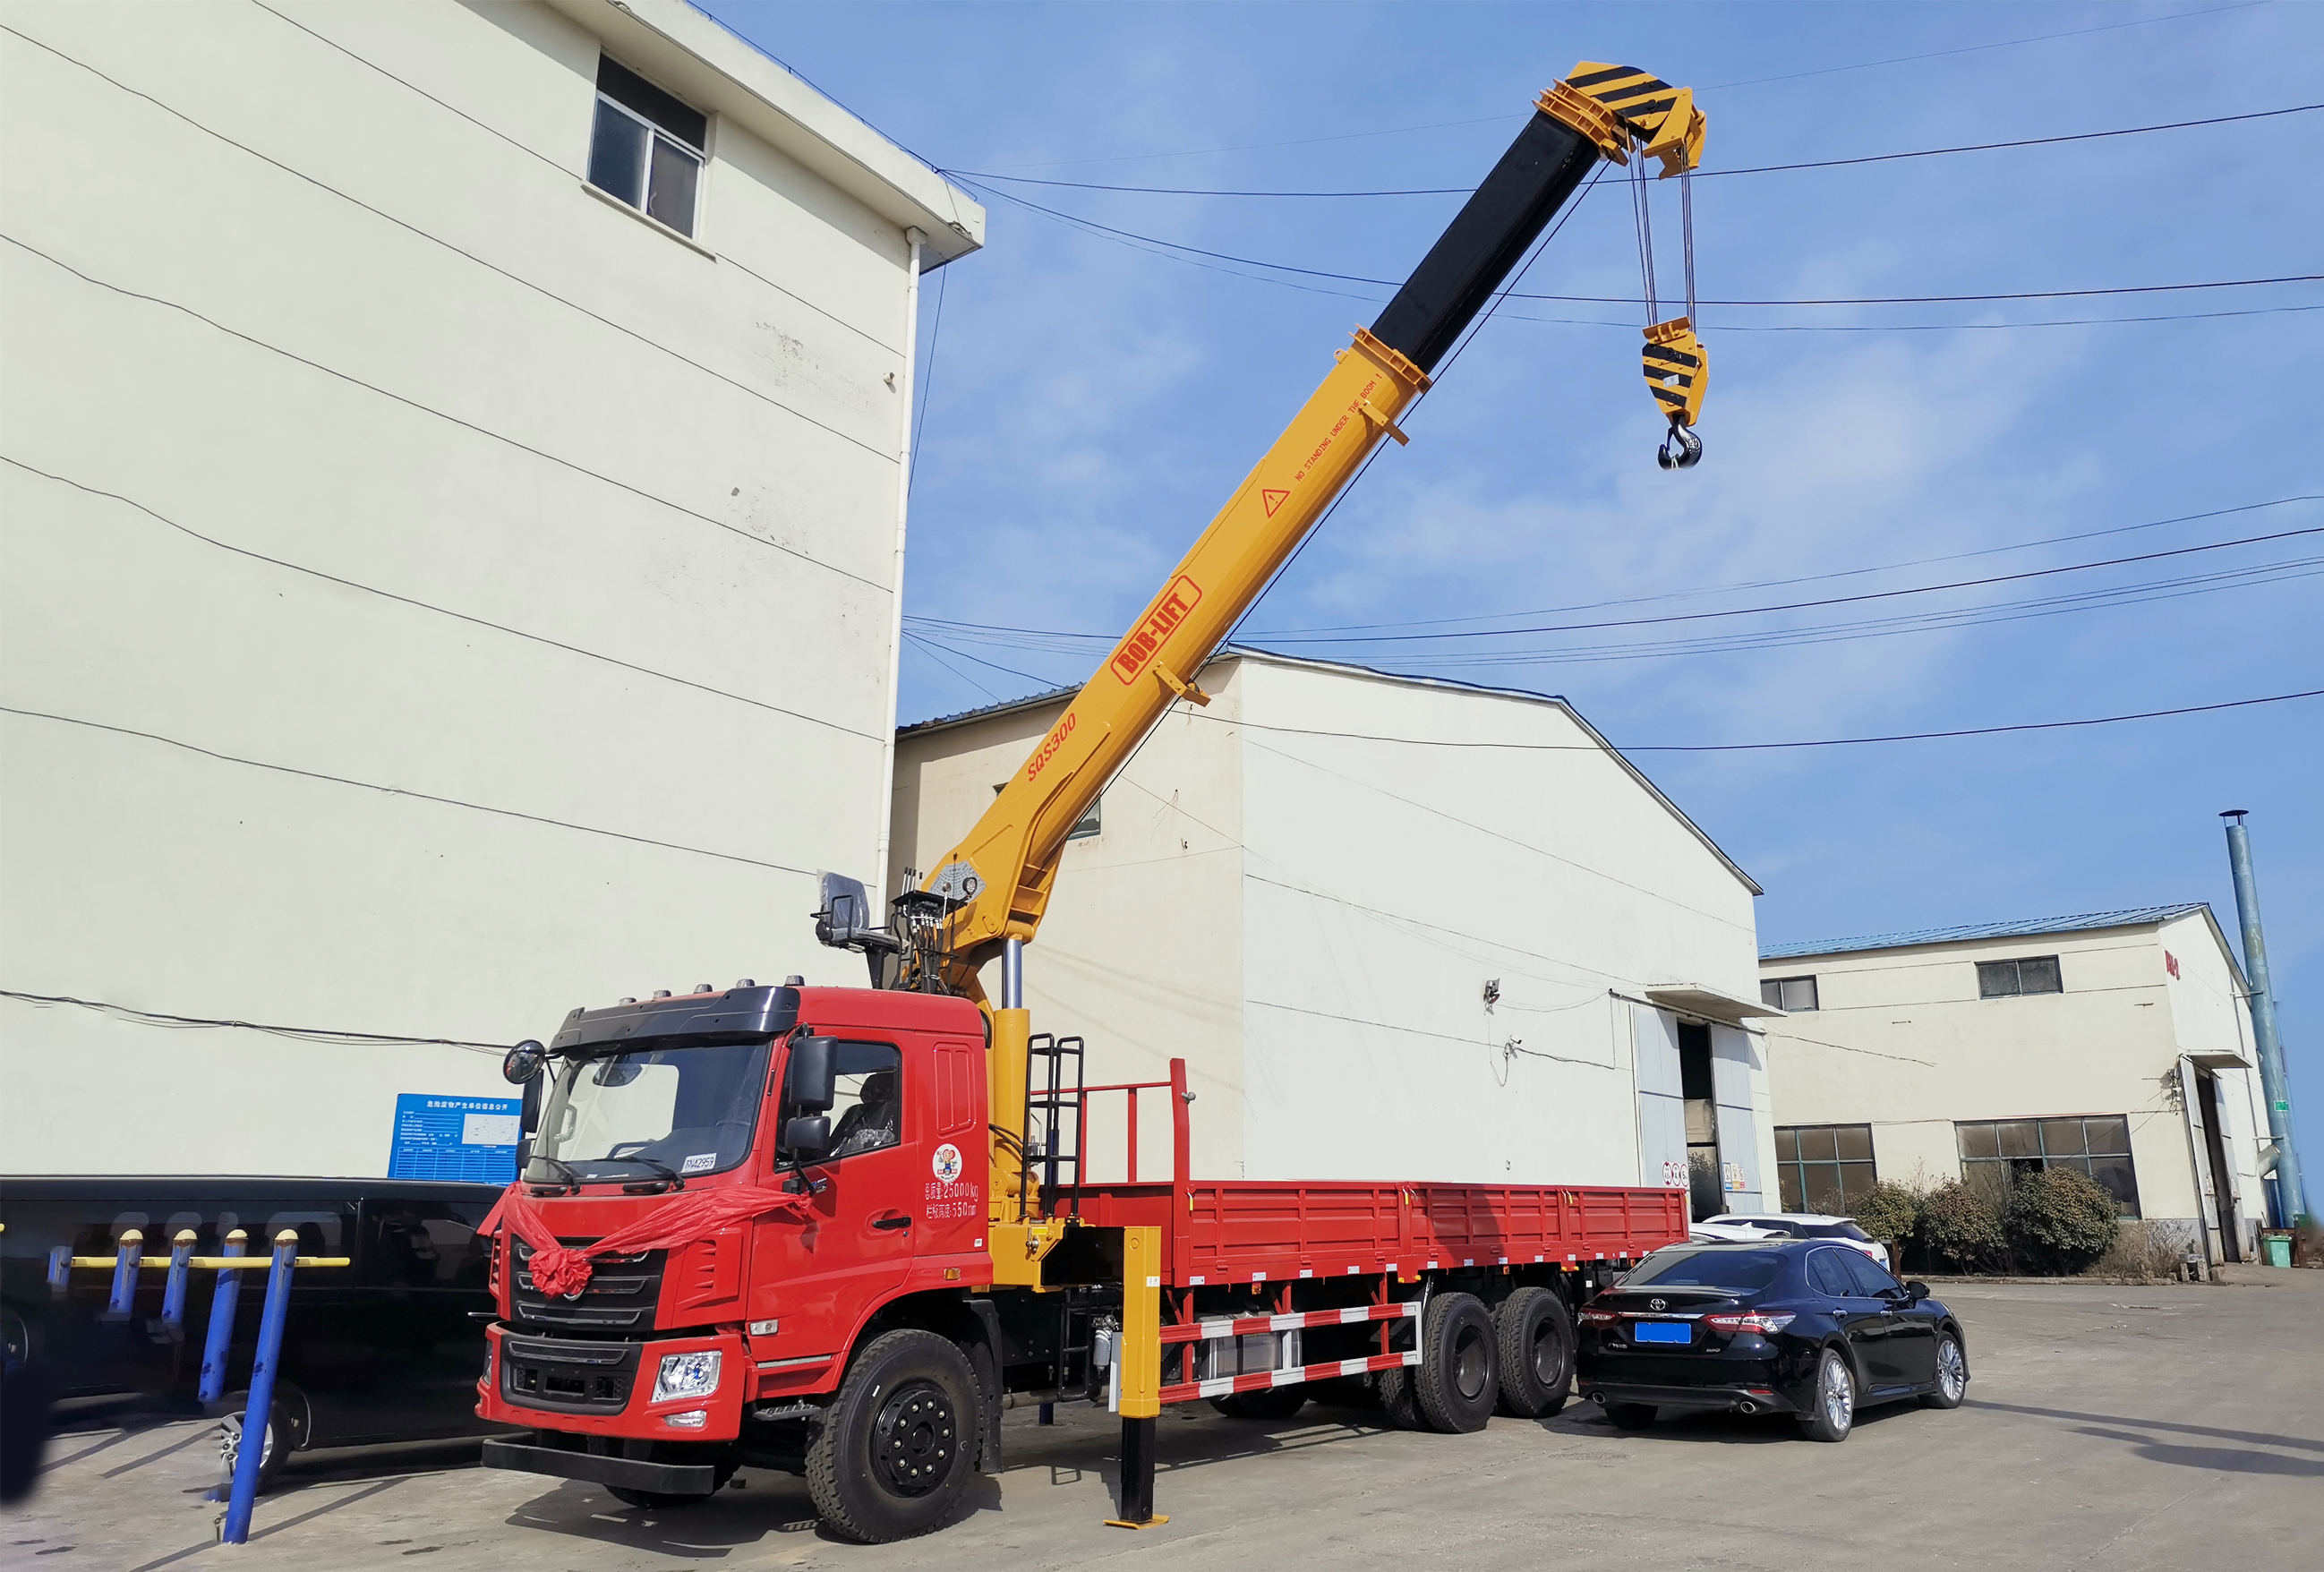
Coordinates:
<point>399,791</point>
<point>1703,589</point>
<point>412,403</point>
<point>1699,174</point>
<point>1935,327</point>
<point>1803,605</point>
<point>300,1033</point>
<point>195,534</point>
<point>1762,747</point>
<point>1130,235</point>
<point>928,382</point>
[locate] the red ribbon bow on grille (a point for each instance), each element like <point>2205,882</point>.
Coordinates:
<point>559,1268</point>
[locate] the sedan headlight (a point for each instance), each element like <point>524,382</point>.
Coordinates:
<point>686,1375</point>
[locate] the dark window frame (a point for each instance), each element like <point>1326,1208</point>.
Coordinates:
<point>2007,979</point>
<point>1772,991</point>
<point>1793,1187</point>
<point>2003,1134</point>
<point>675,148</point>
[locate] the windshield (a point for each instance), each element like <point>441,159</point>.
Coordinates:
<point>639,1115</point>
<point>1741,1270</point>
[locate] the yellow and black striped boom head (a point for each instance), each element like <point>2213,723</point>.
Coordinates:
<point>1618,106</point>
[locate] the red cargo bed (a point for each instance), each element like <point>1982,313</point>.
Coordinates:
<point>1244,1231</point>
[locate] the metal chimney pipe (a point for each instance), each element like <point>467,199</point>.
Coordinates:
<point>2291,1193</point>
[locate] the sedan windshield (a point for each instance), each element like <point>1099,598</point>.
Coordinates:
<point>1740,1270</point>
<point>659,1112</point>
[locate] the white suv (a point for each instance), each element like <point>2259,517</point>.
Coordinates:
<point>1792,1225</point>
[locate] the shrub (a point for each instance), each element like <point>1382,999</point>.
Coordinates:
<point>1889,1212</point>
<point>1962,1225</point>
<point>2145,1249</point>
<point>2060,1221</point>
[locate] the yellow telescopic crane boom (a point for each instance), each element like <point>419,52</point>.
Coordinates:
<point>1001,871</point>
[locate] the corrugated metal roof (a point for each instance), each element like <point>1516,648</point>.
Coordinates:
<point>2027,927</point>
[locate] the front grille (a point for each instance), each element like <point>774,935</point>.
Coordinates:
<point>620,1292</point>
<point>568,1377</point>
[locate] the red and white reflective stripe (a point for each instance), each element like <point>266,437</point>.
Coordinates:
<point>1259,1381</point>
<point>1244,1326</point>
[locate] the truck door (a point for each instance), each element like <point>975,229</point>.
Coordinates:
<point>820,1273</point>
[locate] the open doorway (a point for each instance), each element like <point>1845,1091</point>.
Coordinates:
<point>1706,1191</point>
<point>2223,1183</point>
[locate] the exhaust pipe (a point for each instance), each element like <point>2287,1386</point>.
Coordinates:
<point>1747,1407</point>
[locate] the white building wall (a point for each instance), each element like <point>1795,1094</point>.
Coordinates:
<point>1386,883</point>
<point>435,597</point>
<point>1902,1041</point>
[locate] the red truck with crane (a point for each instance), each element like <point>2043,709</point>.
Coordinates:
<point>840,1230</point>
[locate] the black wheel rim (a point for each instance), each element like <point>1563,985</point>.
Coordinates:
<point>1469,1365</point>
<point>914,1439</point>
<point>1548,1353</point>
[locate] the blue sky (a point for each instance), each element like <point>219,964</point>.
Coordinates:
<point>1091,403</point>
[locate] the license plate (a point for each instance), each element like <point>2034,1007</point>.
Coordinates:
<point>1660,1332</point>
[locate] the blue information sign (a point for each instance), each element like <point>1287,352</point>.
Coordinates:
<point>456,1138</point>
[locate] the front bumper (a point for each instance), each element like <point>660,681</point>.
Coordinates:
<point>581,1388</point>
<point>527,1454</point>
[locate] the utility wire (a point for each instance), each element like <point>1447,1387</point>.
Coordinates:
<point>301,1033</point>
<point>195,534</point>
<point>424,409</point>
<point>1699,174</point>
<point>399,791</point>
<point>1637,301</point>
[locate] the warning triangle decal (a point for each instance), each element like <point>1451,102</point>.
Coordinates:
<point>1273,499</point>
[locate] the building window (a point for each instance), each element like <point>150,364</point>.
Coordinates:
<point>1823,1168</point>
<point>647,148</point>
<point>1997,1151</point>
<point>2007,979</point>
<point>1789,994</point>
<point>1089,823</point>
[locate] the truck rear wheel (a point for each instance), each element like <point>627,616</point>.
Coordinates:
<point>899,1443</point>
<point>1399,1398</point>
<point>1459,1381</point>
<point>1536,1350</point>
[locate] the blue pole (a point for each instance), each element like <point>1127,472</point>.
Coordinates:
<point>256,1412</point>
<point>126,1251</point>
<point>220,1341</point>
<point>60,1270</point>
<point>2292,1194</point>
<point>174,1297</point>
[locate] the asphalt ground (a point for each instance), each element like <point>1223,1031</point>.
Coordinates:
<point>2173,1425</point>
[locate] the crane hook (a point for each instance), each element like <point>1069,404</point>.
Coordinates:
<point>1680,449</point>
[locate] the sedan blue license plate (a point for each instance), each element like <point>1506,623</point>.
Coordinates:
<point>1660,1332</point>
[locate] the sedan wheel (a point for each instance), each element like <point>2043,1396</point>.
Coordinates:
<point>1952,1374</point>
<point>1833,1414</point>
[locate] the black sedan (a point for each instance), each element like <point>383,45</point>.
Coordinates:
<point>1806,1327</point>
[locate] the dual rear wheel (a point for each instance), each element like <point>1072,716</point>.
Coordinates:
<point>1518,1359</point>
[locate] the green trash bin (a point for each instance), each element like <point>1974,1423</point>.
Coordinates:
<point>2278,1247</point>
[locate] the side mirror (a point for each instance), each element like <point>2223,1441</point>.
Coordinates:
<point>1918,1290</point>
<point>812,1081</point>
<point>845,913</point>
<point>807,1138</point>
<point>521,1063</point>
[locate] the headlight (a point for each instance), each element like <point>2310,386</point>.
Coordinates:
<point>686,1375</point>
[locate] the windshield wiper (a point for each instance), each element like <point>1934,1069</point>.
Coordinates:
<point>663,1168</point>
<point>572,1178</point>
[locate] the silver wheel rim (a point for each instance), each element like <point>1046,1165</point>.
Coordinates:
<point>1952,1371</point>
<point>1838,1395</point>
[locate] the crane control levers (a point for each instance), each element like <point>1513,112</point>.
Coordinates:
<point>995,883</point>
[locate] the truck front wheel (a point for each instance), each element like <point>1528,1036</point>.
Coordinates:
<point>897,1445</point>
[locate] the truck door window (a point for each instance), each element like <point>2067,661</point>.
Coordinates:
<point>867,1115</point>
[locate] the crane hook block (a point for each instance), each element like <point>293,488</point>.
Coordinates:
<point>1677,369</point>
